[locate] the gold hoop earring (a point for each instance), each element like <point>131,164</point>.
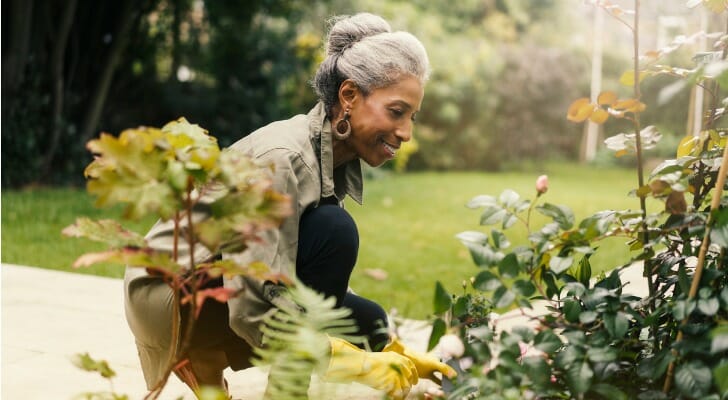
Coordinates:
<point>343,127</point>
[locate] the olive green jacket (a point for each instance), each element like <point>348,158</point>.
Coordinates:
<point>301,151</point>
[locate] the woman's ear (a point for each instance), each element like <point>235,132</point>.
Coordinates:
<point>349,92</point>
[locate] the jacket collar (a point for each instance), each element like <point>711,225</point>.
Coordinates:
<point>348,177</point>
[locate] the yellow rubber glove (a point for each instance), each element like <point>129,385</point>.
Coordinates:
<point>390,372</point>
<point>426,364</point>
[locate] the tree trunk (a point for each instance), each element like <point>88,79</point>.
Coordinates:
<point>132,11</point>
<point>58,60</point>
<point>176,21</point>
<point>21,16</point>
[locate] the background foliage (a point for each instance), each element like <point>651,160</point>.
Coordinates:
<point>502,74</point>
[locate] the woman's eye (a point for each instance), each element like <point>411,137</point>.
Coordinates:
<point>396,112</point>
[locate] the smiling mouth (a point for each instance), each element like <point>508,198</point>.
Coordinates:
<point>389,148</point>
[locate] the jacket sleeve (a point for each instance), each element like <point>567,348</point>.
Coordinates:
<point>277,247</point>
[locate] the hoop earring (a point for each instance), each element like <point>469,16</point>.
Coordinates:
<point>343,127</point>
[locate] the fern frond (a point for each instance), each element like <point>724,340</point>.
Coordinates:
<point>296,341</point>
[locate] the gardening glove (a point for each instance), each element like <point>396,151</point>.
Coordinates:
<point>390,372</point>
<point>426,364</point>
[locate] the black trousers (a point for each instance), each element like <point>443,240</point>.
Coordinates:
<point>327,249</point>
<point>328,244</point>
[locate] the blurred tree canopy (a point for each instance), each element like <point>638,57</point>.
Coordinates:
<point>504,73</point>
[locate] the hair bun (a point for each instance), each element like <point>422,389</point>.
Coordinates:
<point>346,31</point>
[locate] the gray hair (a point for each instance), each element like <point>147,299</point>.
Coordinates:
<point>363,48</point>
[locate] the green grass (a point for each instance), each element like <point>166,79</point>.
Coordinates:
<point>407,226</point>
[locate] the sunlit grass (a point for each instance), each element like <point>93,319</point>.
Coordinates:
<point>407,226</point>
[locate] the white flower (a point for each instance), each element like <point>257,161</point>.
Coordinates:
<point>451,346</point>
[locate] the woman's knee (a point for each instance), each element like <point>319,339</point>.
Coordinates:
<point>333,223</point>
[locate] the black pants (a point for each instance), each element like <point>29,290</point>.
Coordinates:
<point>327,248</point>
<point>328,244</point>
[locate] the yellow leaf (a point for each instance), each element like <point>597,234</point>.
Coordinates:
<point>629,105</point>
<point>621,153</point>
<point>606,98</point>
<point>686,146</point>
<point>653,54</point>
<point>580,110</point>
<point>627,78</point>
<point>599,116</point>
<point>716,6</point>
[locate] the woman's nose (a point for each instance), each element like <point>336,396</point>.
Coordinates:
<point>404,132</point>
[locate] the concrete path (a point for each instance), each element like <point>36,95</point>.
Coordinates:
<point>48,316</point>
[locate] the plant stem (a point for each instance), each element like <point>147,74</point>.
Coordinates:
<point>640,161</point>
<point>714,205</point>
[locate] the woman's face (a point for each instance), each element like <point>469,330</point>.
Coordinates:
<point>382,120</point>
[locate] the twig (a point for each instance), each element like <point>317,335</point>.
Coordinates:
<point>714,205</point>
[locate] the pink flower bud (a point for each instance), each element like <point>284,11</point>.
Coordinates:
<point>542,184</point>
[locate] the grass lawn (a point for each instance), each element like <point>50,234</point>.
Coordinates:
<point>407,226</point>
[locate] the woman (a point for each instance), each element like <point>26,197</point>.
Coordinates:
<point>370,88</point>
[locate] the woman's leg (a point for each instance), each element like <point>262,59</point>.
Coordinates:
<point>328,244</point>
<point>371,319</point>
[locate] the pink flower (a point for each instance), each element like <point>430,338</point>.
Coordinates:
<point>542,184</point>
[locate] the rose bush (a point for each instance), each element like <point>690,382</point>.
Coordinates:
<point>597,341</point>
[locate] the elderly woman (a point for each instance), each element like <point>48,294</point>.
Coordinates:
<point>370,88</point>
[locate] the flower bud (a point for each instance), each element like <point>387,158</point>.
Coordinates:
<point>542,184</point>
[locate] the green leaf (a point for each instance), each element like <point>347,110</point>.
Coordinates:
<point>86,363</point>
<point>508,267</point>
<point>587,317</point>
<point>693,378</point>
<point>572,309</point>
<point>579,376</point>
<point>584,271</point>
<point>537,369</point>
<point>720,375</point>
<point>461,306</point>
<point>608,391</point>
<point>503,297</point>
<point>509,220</point>
<point>492,215</point>
<point>500,241</point>
<point>719,232</point>
<point>487,281</point>
<point>438,330</point>
<point>719,341</point>
<point>105,231</point>
<point>508,198</point>
<point>617,324</point>
<point>523,287</point>
<point>547,341</point>
<point>560,264</point>
<point>481,201</point>
<point>473,237</point>
<point>442,299</point>
<point>709,307</point>
<point>562,215</point>
<point>601,354</point>
<point>482,255</point>
<point>655,366</point>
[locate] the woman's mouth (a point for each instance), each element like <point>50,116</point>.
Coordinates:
<point>389,148</point>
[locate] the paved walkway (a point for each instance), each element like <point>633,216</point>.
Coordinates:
<point>48,316</point>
